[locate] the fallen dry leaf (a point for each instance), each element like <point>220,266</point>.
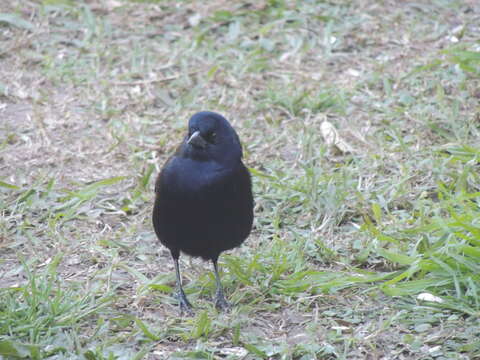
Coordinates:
<point>333,139</point>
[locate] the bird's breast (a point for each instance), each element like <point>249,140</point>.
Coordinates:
<point>203,209</point>
<point>195,178</point>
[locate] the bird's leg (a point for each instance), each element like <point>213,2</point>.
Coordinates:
<point>220,301</point>
<point>182,299</point>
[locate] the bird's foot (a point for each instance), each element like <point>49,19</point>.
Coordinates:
<point>221,303</point>
<point>185,306</point>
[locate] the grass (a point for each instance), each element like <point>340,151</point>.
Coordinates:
<point>347,247</point>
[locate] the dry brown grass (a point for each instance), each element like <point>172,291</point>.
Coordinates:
<point>104,89</point>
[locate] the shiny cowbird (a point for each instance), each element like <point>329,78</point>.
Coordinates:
<point>204,202</point>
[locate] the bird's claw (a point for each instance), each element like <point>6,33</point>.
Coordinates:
<point>185,310</point>
<point>185,306</point>
<point>221,303</point>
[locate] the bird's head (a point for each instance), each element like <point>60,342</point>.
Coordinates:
<point>211,138</point>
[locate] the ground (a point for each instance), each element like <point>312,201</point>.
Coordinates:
<point>94,97</point>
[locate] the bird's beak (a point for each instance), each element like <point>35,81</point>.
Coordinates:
<point>197,140</point>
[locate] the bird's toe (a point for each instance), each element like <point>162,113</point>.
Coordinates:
<point>186,310</point>
<point>221,303</point>
<point>184,304</point>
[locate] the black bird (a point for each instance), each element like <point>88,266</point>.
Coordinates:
<point>204,203</point>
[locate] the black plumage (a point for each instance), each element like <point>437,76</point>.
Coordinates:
<point>204,202</point>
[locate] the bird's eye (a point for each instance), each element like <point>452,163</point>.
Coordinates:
<point>212,137</point>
